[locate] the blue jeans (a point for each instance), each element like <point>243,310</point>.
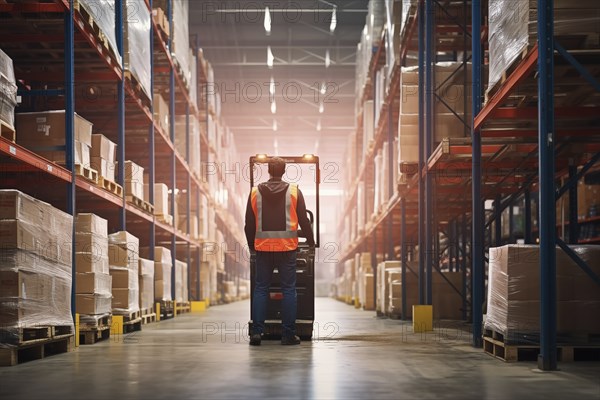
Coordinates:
<point>266,262</point>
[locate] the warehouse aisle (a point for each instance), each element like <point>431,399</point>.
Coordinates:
<point>354,355</point>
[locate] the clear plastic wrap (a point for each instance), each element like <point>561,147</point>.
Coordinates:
<point>34,292</point>
<point>124,250</point>
<point>103,12</point>
<point>384,270</point>
<point>8,90</point>
<point>408,9</point>
<point>146,292</point>
<point>181,36</point>
<point>136,43</point>
<point>513,301</point>
<point>513,27</point>
<point>193,78</point>
<point>180,269</point>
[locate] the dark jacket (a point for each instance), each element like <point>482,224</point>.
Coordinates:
<point>273,194</point>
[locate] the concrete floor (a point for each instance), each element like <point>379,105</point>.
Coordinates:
<point>354,355</point>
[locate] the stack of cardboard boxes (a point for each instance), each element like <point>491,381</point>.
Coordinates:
<point>161,201</point>
<point>163,264</point>
<point>181,282</point>
<point>123,250</point>
<point>94,283</point>
<point>161,113</point>
<point>134,180</point>
<point>146,277</point>
<point>103,157</point>
<point>35,272</point>
<point>514,291</point>
<point>8,90</point>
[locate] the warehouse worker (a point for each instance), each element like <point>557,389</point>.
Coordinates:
<point>274,210</point>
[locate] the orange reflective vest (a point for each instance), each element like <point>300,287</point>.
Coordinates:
<point>276,240</point>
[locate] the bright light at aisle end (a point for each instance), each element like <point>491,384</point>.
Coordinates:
<point>261,156</point>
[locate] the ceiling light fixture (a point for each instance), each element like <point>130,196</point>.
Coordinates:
<point>323,88</point>
<point>327,59</point>
<point>273,107</point>
<point>272,87</point>
<point>267,21</point>
<point>321,108</point>
<point>275,125</point>
<point>333,19</point>
<point>319,126</point>
<point>270,57</point>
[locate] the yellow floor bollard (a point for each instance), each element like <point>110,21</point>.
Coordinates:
<point>422,318</point>
<point>76,330</point>
<point>157,312</point>
<point>117,325</point>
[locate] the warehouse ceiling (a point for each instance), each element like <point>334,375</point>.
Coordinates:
<point>313,107</point>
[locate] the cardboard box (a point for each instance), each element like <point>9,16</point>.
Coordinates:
<point>118,256</point>
<point>91,243</point>
<point>93,304</point>
<point>104,168</point>
<point>161,112</point>
<point>91,223</point>
<point>161,198</point>
<point>18,234</point>
<point>93,283</point>
<point>125,240</point>
<point>126,299</point>
<point>162,290</point>
<point>146,267</point>
<point>18,205</point>
<point>103,148</point>
<point>146,292</point>
<point>91,262</point>
<point>26,285</point>
<point>163,255</point>
<point>124,278</point>
<point>42,129</point>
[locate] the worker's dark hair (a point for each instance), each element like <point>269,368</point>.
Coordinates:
<point>276,167</point>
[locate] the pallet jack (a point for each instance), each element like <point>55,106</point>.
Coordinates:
<point>305,266</point>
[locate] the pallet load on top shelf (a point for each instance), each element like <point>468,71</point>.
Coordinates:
<point>181,34</point>
<point>39,131</point>
<point>35,272</point>
<point>193,90</point>
<point>8,96</point>
<point>513,31</point>
<point>162,21</point>
<point>93,281</point>
<point>393,24</point>
<point>123,250</point>
<point>103,15</point>
<point>137,26</point>
<point>514,293</point>
<point>146,285</point>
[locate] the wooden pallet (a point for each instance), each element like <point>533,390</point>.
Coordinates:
<point>184,307</point>
<point>167,309</point>
<point>409,168</point>
<point>529,352</point>
<point>24,336</point>
<point>141,204</point>
<point>94,328</point>
<point>94,336</point>
<point>133,325</point>
<point>7,131</point>
<point>87,173</point>
<point>110,186</point>
<point>36,350</point>
<point>148,318</point>
<point>129,316</point>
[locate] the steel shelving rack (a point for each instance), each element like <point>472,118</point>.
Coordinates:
<point>516,146</point>
<point>80,73</point>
